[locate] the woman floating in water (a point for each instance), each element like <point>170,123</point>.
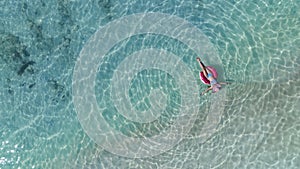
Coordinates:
<point>214,85</point>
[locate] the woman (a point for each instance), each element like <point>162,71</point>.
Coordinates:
<point>214,85</point>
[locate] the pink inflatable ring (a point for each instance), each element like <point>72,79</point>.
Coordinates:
<point>204,79</point>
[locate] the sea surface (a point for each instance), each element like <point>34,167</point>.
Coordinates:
<point>138,59</point>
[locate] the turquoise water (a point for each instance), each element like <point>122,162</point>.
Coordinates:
<point>257,44</point>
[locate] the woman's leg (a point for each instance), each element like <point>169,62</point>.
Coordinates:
<point>202,67</point>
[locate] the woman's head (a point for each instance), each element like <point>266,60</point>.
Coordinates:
<point>216,87</point>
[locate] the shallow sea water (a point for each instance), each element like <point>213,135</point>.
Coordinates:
<point>255,125</point>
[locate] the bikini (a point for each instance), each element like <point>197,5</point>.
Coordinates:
<point>214,81</point>
<point>209,75</point>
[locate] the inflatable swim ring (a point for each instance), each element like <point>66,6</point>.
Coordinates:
<point>204,79</point>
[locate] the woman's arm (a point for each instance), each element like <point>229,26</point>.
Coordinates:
<point>224,83</point>
<point>202,67</point>
<point>206,90</point>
